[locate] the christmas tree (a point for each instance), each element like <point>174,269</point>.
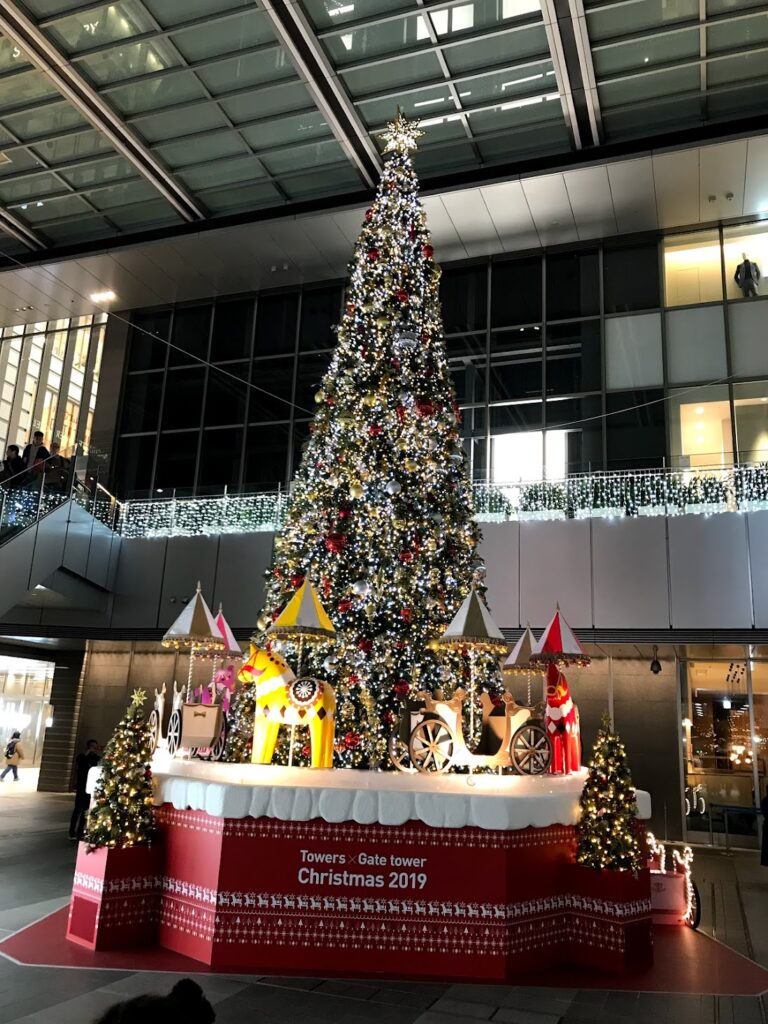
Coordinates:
<point>605,831</point>
<point>121,812</point>
<point>380,515</point>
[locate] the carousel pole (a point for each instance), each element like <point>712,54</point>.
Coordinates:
<point>213,680</point>
<point>189,674</point>
<point>299,659</point>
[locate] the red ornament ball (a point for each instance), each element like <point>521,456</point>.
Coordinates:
<point>400,412</point>
<point>352,740</point>
<point>388,718</point>
<point>365,644</point>
<point>373,255</point>
<point>424,407</point>
<point>350,308</point>
<point>402,686</point>
<point>353,679</point>
<point>374,430</point>
<point>277,572</point>
<point>306,750</point>
<point>344,605</point>
<point>402,295</point>
<point>428,251</point>
<point>405,614</point>
<point>297,579</point>
<point>406,557</point>
<point>368,214</point>
<point>335,542</point>
<point>345,513</point>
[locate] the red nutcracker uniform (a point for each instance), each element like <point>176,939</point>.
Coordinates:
<point>561,720</point>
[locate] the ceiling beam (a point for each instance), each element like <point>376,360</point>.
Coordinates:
<point>565,26</point>
<point>59,71</point>
<point>296,35</point>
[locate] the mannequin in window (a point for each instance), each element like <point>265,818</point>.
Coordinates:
<point>747,277</point>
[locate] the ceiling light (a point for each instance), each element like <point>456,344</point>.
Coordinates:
<point>429,103</point>
<point>699,410</point>
<point>344,9</point>
<point>726,704</point>
<point>519,81</point>
<point>646,59</point>
<point>655,665</point>
<point>764,399</point>
<point>107,296</point>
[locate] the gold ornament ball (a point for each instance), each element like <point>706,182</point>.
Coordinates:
<point>319,397</point>
<point>370,399</point>
<point>356,490</point>
<point>381,321</point>
<point>411,465</point>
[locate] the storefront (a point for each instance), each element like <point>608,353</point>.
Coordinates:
<point>25,691</point>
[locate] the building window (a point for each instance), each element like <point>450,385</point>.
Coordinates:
<point>516,292</point>
<point>529,456</point>
<point>692,270</point>
<point>633,356</point>
<point>631,278</point>
<point>635,429</point>
<point>573,286</point>
<point>696,345</point>
<point>740,243</point>
<point>700,428</point>
<point>750,411</point>
<point>749,350</point>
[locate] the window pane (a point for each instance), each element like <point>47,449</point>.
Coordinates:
<point>517,456</point>
<point>631,278</point>
<point>232,325</point>
<point>275,376</point>
<point>700,427</point>
<point>522,416</point>
<point>190,334</point>
<point>469,379</point>
<point>465,345</point>
<point>572,285</point>
<point>276,323</point>
<point>220,458</point>
<point>141,402</point>
<point>573,358</point>
<point>176,457</point>
<point>183,398</point>
<point>266,455</point>
<point>310,372</point>
<point>696,345</point>
<point>750,408</point>
<point>521,339</point>
<point>320,312</point>
<point>146,351</point>
<point>463,293</point>
<point>749,351</point>
<point>633,351</point>
<point>635,429</point>
<point>739,243</point>
<point>516,292</point>
<point>226,397</point>
<point>132,466</point>
<point>580,423</point>
<point>692,268</point>
<point>518,376</point>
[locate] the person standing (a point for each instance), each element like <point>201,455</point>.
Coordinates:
<point>13,754</point>
<point>56,469</point>
<point>83,764</point>
<point>35,455</point>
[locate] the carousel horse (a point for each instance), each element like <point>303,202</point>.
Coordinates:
<point>561,720</point>
<point>282,699</point>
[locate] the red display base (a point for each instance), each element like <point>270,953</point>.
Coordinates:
<point>265,895</point>
<point>116,897</point>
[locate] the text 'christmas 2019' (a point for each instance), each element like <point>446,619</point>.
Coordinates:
<point>308,875</point>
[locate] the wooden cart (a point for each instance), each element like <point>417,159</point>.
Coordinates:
<point>200,729</point>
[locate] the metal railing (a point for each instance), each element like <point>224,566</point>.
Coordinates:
<point>610,493</point>
<point>34,492</point>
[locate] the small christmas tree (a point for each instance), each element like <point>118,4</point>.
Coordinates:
<point>606,838</point>
<point>121,813</point>
<point>240,725</point>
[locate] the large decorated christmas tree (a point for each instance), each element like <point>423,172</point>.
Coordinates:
<point>380,515</point>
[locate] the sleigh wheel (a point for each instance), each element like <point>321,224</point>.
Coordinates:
<point>174,733</point>
<point>217,750</point>
<point>431,747</point>
<point>530,749</point>
<point>153,724</point>
<point>400,756</point>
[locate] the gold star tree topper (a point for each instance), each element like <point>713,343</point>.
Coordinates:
<point>401,134</point>
<point>138,698</point>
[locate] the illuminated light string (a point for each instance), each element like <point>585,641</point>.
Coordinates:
<point>681,861</point>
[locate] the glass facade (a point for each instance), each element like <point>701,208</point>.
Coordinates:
<point>624,355</point>
<point>49,374</point>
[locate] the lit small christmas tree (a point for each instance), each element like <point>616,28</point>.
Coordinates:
<point>121,813</point>
<point>380,516</point>
<point>606,837</point>
<point>240,725</point>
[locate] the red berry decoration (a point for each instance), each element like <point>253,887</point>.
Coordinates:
<point>368,214</point>
<point>424,407</point>
<point>351,740</point>
<point>428,251</point>
<point>373,255</point>
<point>345,513</point>
<point>297,579</point>
<point>365,645</point>
<point>402,295</point>
<point>374,430</point>
<point>424,337</point>
<point>405,614</point>
<point>353,679</point>
<point>406,557</point>
<point>336,542</point>
<point>326,586</point>
<point>402,686</point>
<point>344,605</point>
<point>400,412</point>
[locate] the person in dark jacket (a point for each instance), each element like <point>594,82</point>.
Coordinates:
<point>186,1004</point>
<point>35,452</point>
<point>83,764</point>
<point>13,464</point>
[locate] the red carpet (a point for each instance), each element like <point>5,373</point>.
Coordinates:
<point>686,962</point>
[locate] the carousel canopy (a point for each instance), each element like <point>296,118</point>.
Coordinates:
<point>303,618</point>
<point>558,644</point>
<point>231,646</point>
<point>519,659</point>
<point>473,626</point>
<point>195,627</point>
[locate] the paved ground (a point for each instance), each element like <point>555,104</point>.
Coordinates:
<point>36,863</point>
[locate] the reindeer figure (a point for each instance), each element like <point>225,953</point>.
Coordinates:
<point>561,720</point>
<point>282,699</point>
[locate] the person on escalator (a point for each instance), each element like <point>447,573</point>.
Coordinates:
<point>13,465</point>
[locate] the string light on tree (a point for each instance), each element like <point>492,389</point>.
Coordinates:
<point>606,836</point>
<point>121,813</point>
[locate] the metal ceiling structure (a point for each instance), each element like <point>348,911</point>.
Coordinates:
<point>140,116</point>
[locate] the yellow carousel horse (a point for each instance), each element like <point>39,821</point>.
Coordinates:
<point>282,699</point>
